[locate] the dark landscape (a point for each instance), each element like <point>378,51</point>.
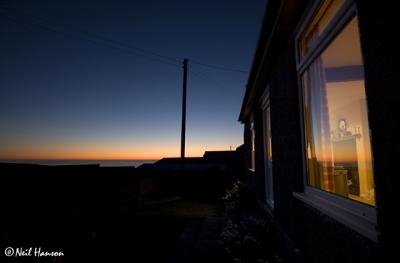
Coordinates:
<point>91,213</point>
<point>229,131</point>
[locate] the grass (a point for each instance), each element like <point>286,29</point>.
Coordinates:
<point>180,208</point>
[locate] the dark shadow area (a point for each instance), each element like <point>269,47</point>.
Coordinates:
<point>124,214</point>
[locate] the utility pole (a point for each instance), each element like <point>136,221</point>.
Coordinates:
<point>183,131</point>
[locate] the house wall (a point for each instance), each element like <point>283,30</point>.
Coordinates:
<point>315,235</point>
<point>379,28</point>
<point>249,175</point>
<point>259,179</point>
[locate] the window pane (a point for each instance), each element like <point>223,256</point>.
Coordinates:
<point>339,158</point>
<point>268,156</point>
<point>318,25</point>
<point>253,146</point>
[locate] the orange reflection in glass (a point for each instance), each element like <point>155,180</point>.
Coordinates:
<point>336,122</point>
<point>316,28</point>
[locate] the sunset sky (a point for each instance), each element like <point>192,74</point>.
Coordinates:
<point>103,80</point>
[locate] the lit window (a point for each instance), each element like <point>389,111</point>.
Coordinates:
<point>338,150</point>
<point>319,24</point>
<point>253,147</point>
<point>269,195</point>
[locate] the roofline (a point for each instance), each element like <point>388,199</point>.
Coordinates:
<point>259,54</point>
<point>280,19</point>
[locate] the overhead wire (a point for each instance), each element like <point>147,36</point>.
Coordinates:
<point>219,67</point>
<point>89,39</point>
<point>104,38</point>
<point>211,81</point>
<point>143,52</point>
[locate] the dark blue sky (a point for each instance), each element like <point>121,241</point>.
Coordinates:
<point>69,94</point>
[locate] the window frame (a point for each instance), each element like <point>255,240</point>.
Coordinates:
<point>252,131</point>
<point>355,215</point>
<point>269,190</point>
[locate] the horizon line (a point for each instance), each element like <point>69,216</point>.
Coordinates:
<point>76,159</point>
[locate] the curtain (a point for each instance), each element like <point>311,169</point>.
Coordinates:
<point>318,123</point>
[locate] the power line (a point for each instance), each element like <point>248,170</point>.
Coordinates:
<point>212,82</point>
<point>219,67</point>
<point>114,43</point>
<point>65,34</point>
<point>103,38</point>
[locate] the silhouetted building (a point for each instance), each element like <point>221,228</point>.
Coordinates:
<point>204,178</point>
<point>217,160</point>
<point>320,142</point>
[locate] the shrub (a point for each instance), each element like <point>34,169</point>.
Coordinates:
<point>250,241</point>
<point>236,196</point>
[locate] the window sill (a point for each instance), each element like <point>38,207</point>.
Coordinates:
<point>266,207</point>
<point>359,217</point>
<point>270,204</point>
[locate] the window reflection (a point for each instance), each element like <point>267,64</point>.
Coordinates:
<point>268,156</point>
<point>324,16</point>
<point>253,146</point>
<point>336,123</point>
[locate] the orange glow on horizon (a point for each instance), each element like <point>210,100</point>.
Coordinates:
<point>83,156</point>
<point>101,154</point>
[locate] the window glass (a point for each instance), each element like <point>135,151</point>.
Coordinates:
<point>339,158</point>
<point>318,25</point>
<point>253,146</point>
<point>268,156</point>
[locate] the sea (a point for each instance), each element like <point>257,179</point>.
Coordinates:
<point>102,163</point>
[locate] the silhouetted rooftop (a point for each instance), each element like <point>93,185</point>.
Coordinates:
<point>220,160</point>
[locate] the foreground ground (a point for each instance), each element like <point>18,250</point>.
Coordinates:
<point>166,232</point>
